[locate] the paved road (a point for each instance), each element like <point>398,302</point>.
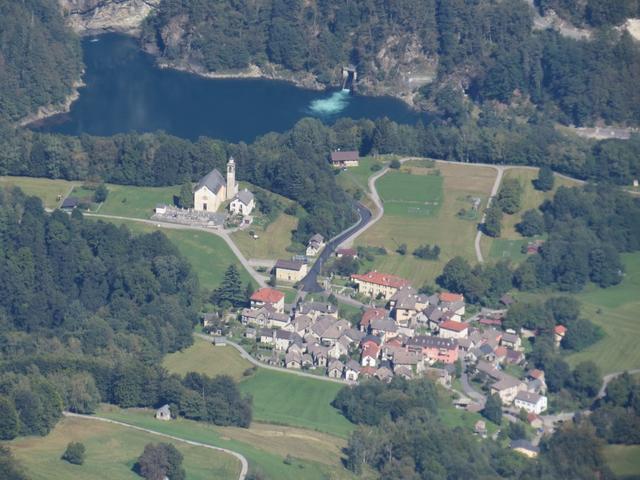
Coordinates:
<point>243,461</point>
<point>607,378</point>
<point>494,192</point>
<point>309,283</point>
<point>176,226</point>
<point>244,354</point>
<point>468,390</point>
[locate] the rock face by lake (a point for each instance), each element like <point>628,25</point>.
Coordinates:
<point>88,17</point>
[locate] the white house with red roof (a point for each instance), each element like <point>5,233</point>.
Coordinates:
<point>268,296</point>
<point>452,329</point>
<point>370,354</point>
<point>559,331</point>
<point>377,284</point>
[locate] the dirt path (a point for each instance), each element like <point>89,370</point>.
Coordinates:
<point>243,460</point>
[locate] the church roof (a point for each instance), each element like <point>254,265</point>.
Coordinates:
<point>213,180</point>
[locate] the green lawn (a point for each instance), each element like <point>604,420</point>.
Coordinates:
<point>208,254</point>
<point>444,227</point>
<point>358,177</point>
<point>46,189</point>
<point>136,202</point>
<point>203,357</point>
<point>410,196</point>
<point>111,452</point>
<point>272,242</point>
<point>259,453</point>
<point>503,249</point>
<point>624,460</point>
<point>615,309</point>
<point>286,399</point>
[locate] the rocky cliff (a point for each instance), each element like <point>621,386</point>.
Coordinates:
<point>88,17</point>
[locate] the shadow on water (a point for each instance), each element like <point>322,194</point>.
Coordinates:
<point>125,91</point>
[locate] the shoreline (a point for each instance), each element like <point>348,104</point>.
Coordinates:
<point>51,110</point>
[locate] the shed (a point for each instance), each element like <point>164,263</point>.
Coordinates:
<point>163,413</point>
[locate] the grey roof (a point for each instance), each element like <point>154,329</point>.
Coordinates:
<point>70,202</point>
<point>486,349</point>
<point>353,365</point>
<point>292,356</point>
<point>507,381</point>
<point>213,180</point>
<point>406,358</point>
<point>384,324</point>
<point>283,334</point>
<point>317,238</point>
<point>528,397</point>
<point>337,364</point>
<point>510,338</point>
<point>321,307</point>
<point>245,196</point>
<point>164,409</point>
<point>289,265</point>
<point>353,334</point>
<point>432,342</point>
<point>322,325</point>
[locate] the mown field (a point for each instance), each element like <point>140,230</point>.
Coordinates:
<point>136,202</point>
<point>203,357</point>
<point>443,226</point>
<point>272,242</point>
<point>46,189</point>
<point>111,452</point>
<point>315,456</point>
<point>624,460</point>
<point>208,254</point>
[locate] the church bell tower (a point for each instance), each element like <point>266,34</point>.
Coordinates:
<point>232,186</point>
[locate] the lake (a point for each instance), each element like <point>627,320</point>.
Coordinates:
<point>126,92</point>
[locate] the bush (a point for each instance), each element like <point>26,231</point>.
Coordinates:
<point>402,249</point>
<point>101,193</point>
<point>395,164</point>
<point>375,167</point>
<point>74,453</point>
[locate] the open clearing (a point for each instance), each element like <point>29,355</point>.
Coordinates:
<point>454,235</point>
<point>624,460</point>
<point>408,195</point>
<point>315,456</point>
<point>286,399</point>
<point>111,452</point>
<point>615,309</point>
<point>208,254</point>
<point>204,357</point>
<point>136,202</point>
<point>46,189</point>
<point>272,241</point>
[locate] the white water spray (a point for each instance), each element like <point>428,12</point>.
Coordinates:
<point>332,105</point>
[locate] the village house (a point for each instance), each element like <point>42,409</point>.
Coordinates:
<point>212,189</point>
<point>346,252</point>
<point>370,353</point>
<point>375,284</point>
<point>530,402</point>
<point>352,371</point>
<point>266,336</point>
<point>163,413</point>
<point>406,303</point>
<point>559,331</point>
<point>434,349</point>
<point>369,315</point>
<point>452,329</point>
<point>265,316</point>
<point>507,388</point>
<point>300,324</point>
<point>384,328</point>
<point>412,360</point>
<point>315,309</point>
<point>511,340</point>
<point>268,296</point>
<point>282,339</point>
<point>335,369</point>
<point>316,243</point>
<point>346,158</point>
<point>291,271</point>
<point>243,203</point>
<point>293,360</point>
<point>480,428</point>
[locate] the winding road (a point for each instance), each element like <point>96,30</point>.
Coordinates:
<point>244,465</point>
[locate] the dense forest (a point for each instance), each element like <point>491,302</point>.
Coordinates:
<point>40,57</point>
<point>487,48</point>
<point>86,315</point>
<point>401,436</point>
<point>595,13</point>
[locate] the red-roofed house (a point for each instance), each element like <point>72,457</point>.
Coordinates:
<point>377,284</point>
<point>451,329</point>
<point>559,333</point>
<point>369,315</point>
<point>346,158</point>
<point>370,354</point>
<point>451,297</point>
<point>268,296</point>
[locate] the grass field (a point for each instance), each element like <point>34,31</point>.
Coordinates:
<point>316,456</point>
<point>208,254</point>
<point>136,202</point>
<point>624,460</point>
<point>46,189</point>
<point>272,241</point>
<point>615,309</point>
<point>409,195</point>
<point>203,357</point>
<point>505,249</point>
<point>111,452</point>
<point>454,235</point>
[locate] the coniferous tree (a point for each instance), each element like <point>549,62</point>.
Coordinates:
<point>545,180</point>
<point>8,419</point>
<point>230,292</point>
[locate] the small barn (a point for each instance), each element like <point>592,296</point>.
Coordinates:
<point>163,413</point>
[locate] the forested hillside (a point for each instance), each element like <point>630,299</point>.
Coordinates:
<point>40,57</point>
<point>595,13</point>
<point>87,311</point>
<point>487,49</point>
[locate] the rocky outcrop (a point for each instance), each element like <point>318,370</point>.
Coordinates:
<point>88,17</point>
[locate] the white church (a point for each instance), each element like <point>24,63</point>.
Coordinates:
<point>212,190</point>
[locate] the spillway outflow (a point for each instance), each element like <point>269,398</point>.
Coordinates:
<point>332,105</point>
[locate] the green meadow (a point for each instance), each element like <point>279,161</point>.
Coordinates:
<point>409,195</point>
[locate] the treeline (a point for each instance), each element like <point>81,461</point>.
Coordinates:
<point>400,436</point>
<point>40,57</point>
<point>617,416</point>
<point>86,315</point>
<point>595,13</point>
<point>587,230</point>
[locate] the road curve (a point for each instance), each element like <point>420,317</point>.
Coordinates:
<point>177,226</point>
<point>494,191</point>
<point>244,354</point>
<point>243,460</point>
